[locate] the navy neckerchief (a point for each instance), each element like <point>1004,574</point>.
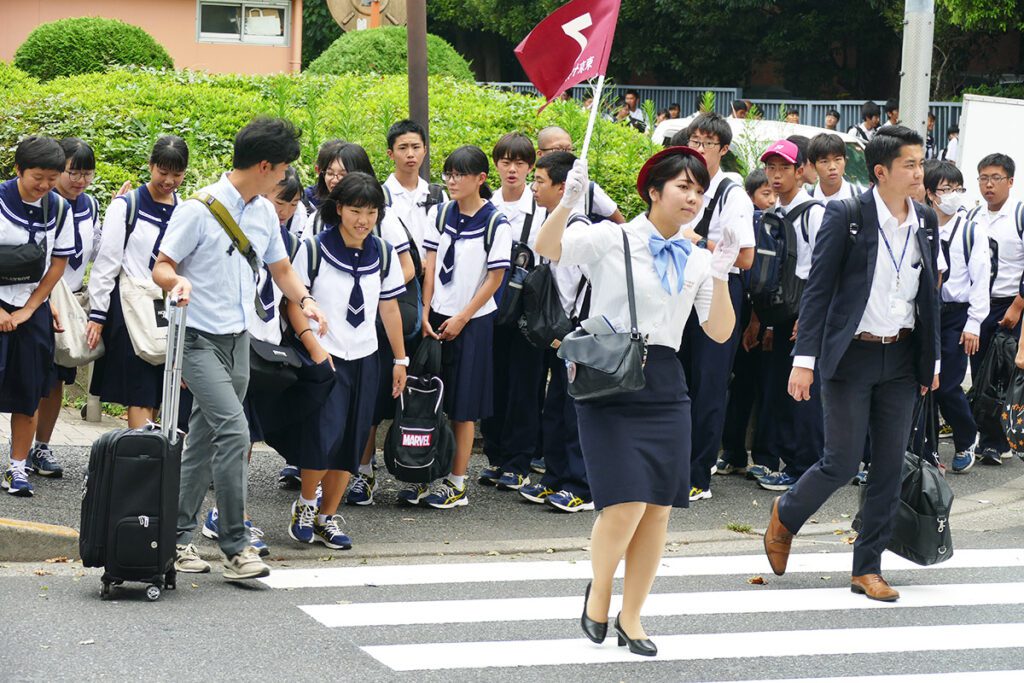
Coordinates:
<point>156,214</point>
<point>81,211</point>
<point>267,290</point>
<point>355,262</point>
<point>474,226</point>
<point>25,216</point>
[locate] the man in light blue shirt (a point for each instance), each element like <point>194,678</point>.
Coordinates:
<point>199,265</point>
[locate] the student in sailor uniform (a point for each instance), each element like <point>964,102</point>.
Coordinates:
<point>28,213</point>
<point>318,191</point>
<point>1001,219</point>
<point>120,376</point>
<point>636,444</point>
<point>708,364</point>
<point>564,482</point>
<point>602,207</point>
<point>965,302</point>
<point>460,279</point>
<point>799,431</point>
<point>348,284</point>
<point>827,152</point>
<point>289,207</point>
<point>79,170</point>
<point>512,433</point>
<point>347,157</point>
<point>410,196</point>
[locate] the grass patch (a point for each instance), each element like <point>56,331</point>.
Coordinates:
<point>739,528</point>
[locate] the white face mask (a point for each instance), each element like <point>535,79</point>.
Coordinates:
<point>950,203</point>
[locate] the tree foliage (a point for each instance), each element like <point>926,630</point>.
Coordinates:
<point>319,29</point>
<point>385,51</point>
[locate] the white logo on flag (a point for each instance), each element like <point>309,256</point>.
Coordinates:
<point>574,29</point>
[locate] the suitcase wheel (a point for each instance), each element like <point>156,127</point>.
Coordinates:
<point>105,590</point>
<point>153,593</point>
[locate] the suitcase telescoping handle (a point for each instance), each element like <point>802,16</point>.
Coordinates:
<point>172,369</point>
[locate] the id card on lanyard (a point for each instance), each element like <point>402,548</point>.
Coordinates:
<point>899,307</point>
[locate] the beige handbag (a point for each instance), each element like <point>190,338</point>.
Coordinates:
<point>72,351</point>
<point>142,304</point>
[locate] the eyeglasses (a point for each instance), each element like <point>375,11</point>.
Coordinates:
<point>563,148</point>
<point>994,179</point>
<point>87,176</point>
<point>453,177</point>
<point>950,190</point>
<point>334,175</point>
<point>700,144</point>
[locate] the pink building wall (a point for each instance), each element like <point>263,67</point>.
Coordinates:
<point>171,22</point>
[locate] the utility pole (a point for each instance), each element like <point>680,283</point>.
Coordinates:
<point>916,73</point>
<point>419,107</point>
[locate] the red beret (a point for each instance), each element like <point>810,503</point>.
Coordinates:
<point>641,180</point>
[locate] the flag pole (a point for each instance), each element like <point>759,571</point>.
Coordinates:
<point>594,108</point>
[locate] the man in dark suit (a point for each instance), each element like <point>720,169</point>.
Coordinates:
<point>869,320</point>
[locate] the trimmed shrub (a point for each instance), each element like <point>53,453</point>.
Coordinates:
<point>13,78</point>
<point>87,45</point>
<point>385,51</point>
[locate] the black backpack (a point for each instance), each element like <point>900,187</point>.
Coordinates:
<point>510,302</point>
<point>544,320</point>
<point>990,388</point>
<point>775,289</point>
<point>420,445</point>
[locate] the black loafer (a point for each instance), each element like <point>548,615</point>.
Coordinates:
<point>595,630</point>
<point>638,646</point>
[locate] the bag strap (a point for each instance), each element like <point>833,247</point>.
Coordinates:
<point>588,199</point>
<point>634,330</point>
<point>854,218</point>
<point>1019,217</point>
<point>797,214</point>
<point>312,259</point>
<point>704,226</point>
<point>131,214</point>
<point>414,252</point>
<point>291,244</point>
<point>387,196</point>
<point>524,236</point>
<point>385,256</point>
<point>492,228</point>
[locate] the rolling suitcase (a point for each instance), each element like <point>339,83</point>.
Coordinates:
<point>130,493</point>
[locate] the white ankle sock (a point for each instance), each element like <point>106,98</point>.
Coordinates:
<point>458,479</point>
<point>18,465</point>
<point>322,519</point>
<point>303,501</point>
<point>366,469</point>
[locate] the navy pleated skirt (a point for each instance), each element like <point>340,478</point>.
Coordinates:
<point>67,375</point>
<point>467,369</point>
<point>636,446</point>
<point>120,376</point>
<point>27,370</point>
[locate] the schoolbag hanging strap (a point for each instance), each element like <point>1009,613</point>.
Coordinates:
<point>634,328</point>
<point>704,226</point>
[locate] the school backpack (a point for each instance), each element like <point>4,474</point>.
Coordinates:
<point>420,445</point>
<point>544,320</point>
<point>313,258</point>
<point>720,196</point>
<point>1012,417</point>
<point>435,195</point>
<point>489,231</point>
<point>989,388</point>
<point>775,289</point>
<point>510,299</point>
<point>993,245</point>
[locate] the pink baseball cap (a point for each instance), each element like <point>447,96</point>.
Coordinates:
<point>783,148</point>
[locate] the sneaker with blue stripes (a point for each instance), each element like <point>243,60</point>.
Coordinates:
<point>489,476</point>
<point>16,482</point>
<point>445,495</point>
<point>777,481</point>
<point>42,462</point>
<point>361,491</point>
<point>536,493</point>
<point>512,481</point>
<point>330,534</point>
<point>567,501</point>
<point>303,517</point>
<point>413,493</point>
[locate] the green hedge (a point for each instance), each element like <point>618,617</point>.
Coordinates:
<point>385,51</point>
<point>12,77</point>
<point>121,112</point>
<point>87,45</point>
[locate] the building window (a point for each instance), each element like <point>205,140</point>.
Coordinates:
<point>260,22</point>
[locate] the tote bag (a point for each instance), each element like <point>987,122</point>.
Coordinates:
<point>71,349</point>
<point>142,303</point>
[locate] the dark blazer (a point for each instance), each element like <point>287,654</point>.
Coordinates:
<point>839,283</point>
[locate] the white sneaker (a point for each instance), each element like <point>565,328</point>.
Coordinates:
<point>245,565</point>
<point>188,560</point>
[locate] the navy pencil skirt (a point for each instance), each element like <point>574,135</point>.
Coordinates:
<point>636,446</point>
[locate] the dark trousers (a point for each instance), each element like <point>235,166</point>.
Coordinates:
<point>799,425</point>
<point>873,392</point>
<point>989,325</point>
<point>950,397</point>
<point>511,433</point>
<point>563,456</point>
<point>747,399</point>
<point>708,367</point>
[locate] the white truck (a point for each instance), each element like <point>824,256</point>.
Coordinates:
<point>987,125</point>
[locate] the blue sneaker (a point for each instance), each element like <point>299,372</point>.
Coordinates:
<point>990,456</point>
<point>860,479</point>
<point>536,493</point>
<point>755,472</point>
<point>723,467</point>
<point>256,539</point>
<point>963,461</point>
<point>511,481</point>
<point>569,502</point>
<point>777,481</point>
<point>489,476</point>
<point>444,495</point>
<point>361,492</point>
<point>289,478</point>
<point>42,462</point>
<point>538,465</point>
<point>210,525</point>
<point>16,483</point>
<point>303,517</point>
<point>413,493</point>
<point>330,534</point>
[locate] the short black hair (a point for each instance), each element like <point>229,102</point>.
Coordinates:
<point>754,181</point>
<point>740,105</point>
<point>273,140</point>
<point>516,147</point>
<point>357,189</point>
<point>887,145</point>
<point>710,123</point>
<point>355,159</point>
<point>633,92</point>
<point>557,165</point>
<point>673,166</point>
<point>891,105</point>
<point>404,127</point>
<point>663,112</point>
<point>39,151</point>
<point>469,160</point>
<point>953,129</point>
<point>1001,160</point>
<point>937,171</point>
<point>802,142</point>
<point>834,113</point>
<point>792,111</point>
<point>79,153</point>
<point>869,110</point>
<point>170,153</point>
<point>675,105</point>
<point>825,145</point>
<point>290,186</point>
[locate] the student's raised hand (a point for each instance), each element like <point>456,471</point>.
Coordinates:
<point>125,189</point>
<point>576,183</point>
<point>398,378</point>
<point>725,254</point>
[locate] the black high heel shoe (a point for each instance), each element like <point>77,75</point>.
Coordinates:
<point>595,630</point>
<point>644,646</point>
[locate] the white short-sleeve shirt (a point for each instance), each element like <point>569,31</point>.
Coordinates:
<point>600,204</point>
<point>571,281</point>
<point>661,315</point>
<point>809,220</point>
<point>21,221</point>
<point>409,206</point>
<point>1002,227</point>
<point>517,213</point>
<point>735,210</point>
<point>967,279</point>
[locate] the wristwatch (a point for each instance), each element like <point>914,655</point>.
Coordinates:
<point>404,362</point>
<point>302,301</point>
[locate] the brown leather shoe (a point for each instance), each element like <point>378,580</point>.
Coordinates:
<point>875,587</point>
<point>777,540</point>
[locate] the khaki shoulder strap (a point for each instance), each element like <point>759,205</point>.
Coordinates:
<point>231,228</point>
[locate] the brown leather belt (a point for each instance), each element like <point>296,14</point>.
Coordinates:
<point>868,337</point>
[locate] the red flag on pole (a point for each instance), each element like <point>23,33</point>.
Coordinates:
<point>570,46</point>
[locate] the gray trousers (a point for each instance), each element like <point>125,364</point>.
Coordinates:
<point>216,370</point>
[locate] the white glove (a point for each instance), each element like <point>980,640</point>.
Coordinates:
<point>576,183</point>
<point>726,252</point>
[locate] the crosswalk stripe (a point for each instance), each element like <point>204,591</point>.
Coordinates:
<point>704,646</point>
<point>482,572</point>
<point>660,604</point>
<point>960,677</point>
